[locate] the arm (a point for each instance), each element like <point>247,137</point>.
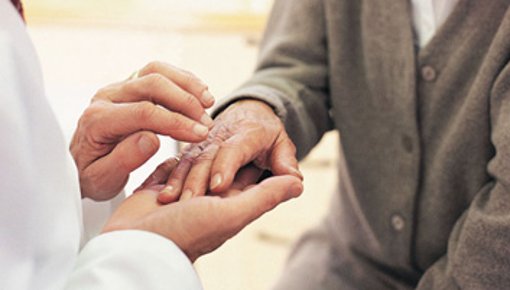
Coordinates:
<point>292,72</point>
<point>132,260</point>
<point>135,251</point>
<point>117,132</point>
<point>478,255</point>
<point>292,81</point>
<point>145,245</point>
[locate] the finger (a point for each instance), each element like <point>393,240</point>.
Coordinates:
<point>111,172</point>
<point>184,79</point>
<point>245,178</point>
<point>125,119</point>
<point>176,180</point>
<point>234,153</point>
<point>157,89</point>
<point>160,174</point>
<point>248,175</point>
<point>197,179</point>
<point>283,158</point>
<point>251,204</point>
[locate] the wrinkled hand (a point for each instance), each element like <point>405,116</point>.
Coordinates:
<point>200,225</point>
<point>117,132</point>
<point>248,131</point>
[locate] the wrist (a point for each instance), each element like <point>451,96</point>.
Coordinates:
<point>253,105</point>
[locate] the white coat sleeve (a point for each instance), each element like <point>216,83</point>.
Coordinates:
<point>40,204</point>
<point>95,214</point>
<point>132,260</point>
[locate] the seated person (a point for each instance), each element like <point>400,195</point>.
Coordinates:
<point>420,94</point>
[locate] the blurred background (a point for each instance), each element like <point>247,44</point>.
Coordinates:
<point>85,45</point>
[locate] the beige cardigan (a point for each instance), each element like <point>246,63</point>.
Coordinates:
<point>424,189</point>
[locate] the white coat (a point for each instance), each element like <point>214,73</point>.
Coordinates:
<point>40,203</point>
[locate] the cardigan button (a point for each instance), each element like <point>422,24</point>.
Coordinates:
<point>397,222</point>
<point>428,73</point>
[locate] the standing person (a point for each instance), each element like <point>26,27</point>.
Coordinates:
<point>420,93</point>
<point>144,245</point>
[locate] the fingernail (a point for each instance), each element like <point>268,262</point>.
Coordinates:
<point>145,144</point>
<point>169,190</point>
<point>295,190</point>
<point>200,130</point>
<point>216,181</point>
<point>187,194</point>
<point>207,120</point>
<point>207,97</point>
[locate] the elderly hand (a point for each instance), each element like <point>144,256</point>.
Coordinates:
<point>200,225</point>
<point>248,131</point>
<point>117,132</point>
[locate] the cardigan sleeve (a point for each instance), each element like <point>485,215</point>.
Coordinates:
<point>478,254</point>
<point>292,72</point>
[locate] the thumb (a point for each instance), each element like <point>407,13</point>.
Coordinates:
<point>283,158</point>
<point>111,172</point>
<point>254,202</point>
<point>132,152</point>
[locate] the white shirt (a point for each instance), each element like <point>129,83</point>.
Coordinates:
<point>428,16</point>
<point>40,203</point>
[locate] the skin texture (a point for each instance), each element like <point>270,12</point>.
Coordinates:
<point>247,132</point>
<point>202,224</point>
<point>117,132</point>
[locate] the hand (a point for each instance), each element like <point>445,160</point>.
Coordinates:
<point>248,131</point>
<point>117,132</point>
<point>200,225</point>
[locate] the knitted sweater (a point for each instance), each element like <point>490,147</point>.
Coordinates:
<point>424,184</point>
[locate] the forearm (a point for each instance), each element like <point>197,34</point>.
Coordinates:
<point>292,73</point>
<point>304,124</point>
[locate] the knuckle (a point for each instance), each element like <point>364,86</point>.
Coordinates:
<point>106,93</point>
<point>206,152</point>
<point>203,157</point>
<point>179,123</point>
<point>190,79</point>
<point>194,152</point>
<point>152,67</point>
<point>187,149</point>
<point>201,87</point>
<point>144,110</point>
<point>101,93</point>
<point>187,158</point>
<point>189,101</point>
<point>91,113</point>
<point>129,85</point>
<point>218,134</point>
<point>155,79</point>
